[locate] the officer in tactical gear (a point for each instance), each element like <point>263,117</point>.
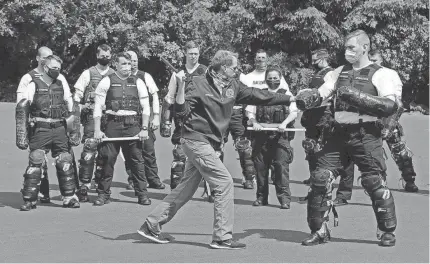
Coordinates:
<point>192,68</point>
<point>85,88</point>
<point>45,103</point>
<point>273,148</point>
<point>399,151</point>
<point>151,169</point>
<point>36,73</point>
<point>127,115</point>
<point>363,94</point>
<point>316,120</point>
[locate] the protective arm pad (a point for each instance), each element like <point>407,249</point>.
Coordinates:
<point>372,105</point>
<point>166,112</point>
<point>391,122</point>
<point>22,115</point>
<point>308,99</point>
<point>74,125</point>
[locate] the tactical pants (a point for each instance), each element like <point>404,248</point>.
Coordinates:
<point>52,139</point>
<point>272,150</point>
<point>148,153</point>
<point>132,150</point>
<point>202,162</point>
<point>362,145</point>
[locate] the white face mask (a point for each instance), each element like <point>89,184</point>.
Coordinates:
<point>351,56</point>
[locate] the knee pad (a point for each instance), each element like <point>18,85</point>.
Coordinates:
<point>372,182</point>
<point>323,178</point>
<point>318,208</point>
<point>403,158</point>
<point>176,173</point>
<point>86,163</point>
<point>31,186</point>
<point>37,158</point>
<point>384,208</point>
<point>65,174</point>
<point>178,153</point>
<point>243,145</point>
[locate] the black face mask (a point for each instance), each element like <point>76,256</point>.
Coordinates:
<point>273,84</point>
<point>103,61</point>
<point>53,73</point>
<point>316,66</point>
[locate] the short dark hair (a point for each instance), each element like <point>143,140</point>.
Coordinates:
<point>103,47</point>
<point>51,58</point>
<point>363,38</point>
<point>321,53</point>
<point>273,67</point>
<point>122,55</point>
<point>222,57</point>
<point>191,45</point>
<point>375,52</point>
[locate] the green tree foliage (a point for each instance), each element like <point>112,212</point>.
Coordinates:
<point>288,29</point>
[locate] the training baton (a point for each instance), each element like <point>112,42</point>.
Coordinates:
<point>170,66</point>
<point>119,139</point>
<point>274,127</point>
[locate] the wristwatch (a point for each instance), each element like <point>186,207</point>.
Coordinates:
<point>144,128</point>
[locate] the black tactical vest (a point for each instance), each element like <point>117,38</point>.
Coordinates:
<point>48,101</point>
<point>359,79</point>
<point>318,78</point>
<point>122,94</point>
<point>274,114</point>
<point>95,78</point>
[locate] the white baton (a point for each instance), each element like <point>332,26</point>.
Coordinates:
<point>119,139</point>
<point>276,129</point>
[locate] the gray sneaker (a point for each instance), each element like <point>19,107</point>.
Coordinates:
<point>227,244</point>
<point>146,232</point>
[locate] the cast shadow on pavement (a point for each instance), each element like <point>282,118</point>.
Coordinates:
<point>292,236</point>
<point>141,240</point>
<point>14,200</point>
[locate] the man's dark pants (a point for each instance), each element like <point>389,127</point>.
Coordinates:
<point>151,168</point>
<point>119,126</point>
<point>272,150</point>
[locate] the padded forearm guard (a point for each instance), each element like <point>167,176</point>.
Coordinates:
<point>370,104</point>
<point>22,115</point>
<point>390,123</point>
<point>308,99</point>
<point>166,119</point>
<point>74,125</point>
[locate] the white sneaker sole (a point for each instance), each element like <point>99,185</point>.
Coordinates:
<point>216,246</point>
<point>153,239</point>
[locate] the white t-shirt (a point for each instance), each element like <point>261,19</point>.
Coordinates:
<point>170,97</point>
<point>83,82</point>
<point>257,79</point>
<point>100,98</point>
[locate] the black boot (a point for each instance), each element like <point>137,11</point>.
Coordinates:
<point>73,203</point>
<point>388,240</point>
<point>144,200</point>
<point>101,200</point>
<point>260,201</point>
<point>411,187</point>
<point>130,185</point>
<point>27,206</point>
<point>83,194</point>
<point>316,238</point>
<point>157,185</point>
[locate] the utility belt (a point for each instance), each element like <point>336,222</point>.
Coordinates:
<point>358,129</point>
<point>316,137</point>
<point>125,119</point>
<point>47,123</point>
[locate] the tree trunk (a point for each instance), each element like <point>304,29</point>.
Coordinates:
<point>75,61</point>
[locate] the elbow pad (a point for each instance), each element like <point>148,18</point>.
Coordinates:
<point>308,99</point>
<point>370,104</point>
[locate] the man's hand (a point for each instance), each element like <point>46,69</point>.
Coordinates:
<point>155,123</point>
<point>282,127</point>
<point>98,135</point>
<point>143,135</point>
<point>180,78</point>
<point>257,126</point>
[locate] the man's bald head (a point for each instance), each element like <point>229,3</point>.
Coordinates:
<point>134,60</point>
<point>42,53</point>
